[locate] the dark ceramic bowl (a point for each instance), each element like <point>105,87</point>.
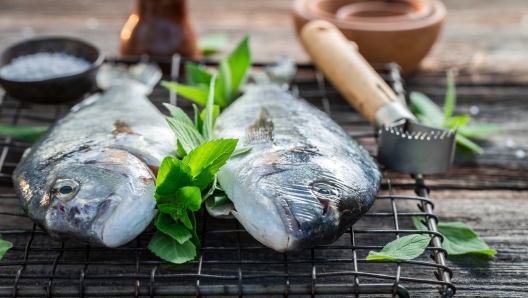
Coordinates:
<point>57,89</point>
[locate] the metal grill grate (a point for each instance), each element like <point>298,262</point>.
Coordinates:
<point>231,262</point>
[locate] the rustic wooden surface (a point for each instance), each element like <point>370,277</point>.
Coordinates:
<point>485,40</point>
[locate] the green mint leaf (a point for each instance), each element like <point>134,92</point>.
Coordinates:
<point>166,224</point>
<point>450,98</point>
<point>220,200</point>
<point>477,130</point>
<point>222,91</point>
<point>198,120</point>
<point>178,114</point>
<point>186,133</point>
<point>206,160</point>
<point>4,247</point>
<point>179,149</point>
<point>242,151</point>
<point>190,196</point>
<point>404,248</point>
<point>169,208</point>
<point>216,113</point>
<point>198,94</point>
<point>425,109</point>
<point>194,239</point>
<point>173,174</point>
<point>418,224</point>
<point>30,134</point>
<point>185,220</point>
<point>207,128</point>
<point>467,143</point>
<point>213,43</point>
<point>239,63</point>
<point>460,239</point>
<point>169,249</point>
<point>457,121</point>
<point>198,76</point>
<point>211,190</point>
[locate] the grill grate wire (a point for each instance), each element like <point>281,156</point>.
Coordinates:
<point>230,262</point>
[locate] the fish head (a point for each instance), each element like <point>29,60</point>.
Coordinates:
<point>99,196</point>
<point>315,197</point>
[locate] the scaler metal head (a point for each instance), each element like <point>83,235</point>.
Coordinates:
<point>410,147</point>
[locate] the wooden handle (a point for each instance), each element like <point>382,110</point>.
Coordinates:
<point>346,69</point>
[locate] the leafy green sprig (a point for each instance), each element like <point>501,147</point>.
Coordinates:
<point>427,112</point>
<point>231,74</point>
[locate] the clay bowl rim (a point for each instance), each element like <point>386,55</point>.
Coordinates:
<point>415,14</point>
<point>437,15</point>
<point>93,65</point>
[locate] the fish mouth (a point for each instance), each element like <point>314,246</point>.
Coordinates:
<point>290,222</point>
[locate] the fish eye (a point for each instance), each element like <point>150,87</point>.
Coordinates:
<point>324,190</point>
<point>65,189</point>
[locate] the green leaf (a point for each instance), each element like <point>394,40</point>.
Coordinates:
<point>404,248</point>
<point>190,196</point>
<point>173,174</point>
<point>459,238</point>
<point>211,190</point>
<point>197,75</point>
<point>424,107</point>
<point>216,113</point>
<point>477,130</point>
<point>467,143</point>
<point>198,121</point>
<point>207,128</point>
<point>220,200</point>
<point>450,98</point>
<point>4,247</point>
<point>186,133</point>
<point>222,86</point>
<point>166,224</point>
<point>178,114</point>
<point>239,63</point>
<point>167,248</point>
<point>241,151</point>
<point>184,218</point>
<point>198,94</point>
<point>30,134</point>
<point>457,121</point>
<point>213,43</point>
<point>194,239</point>
<point>206,160</point>
<point>179,149</point>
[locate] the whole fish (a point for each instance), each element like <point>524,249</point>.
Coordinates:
<point>304,182</point>
<point>91,178</point>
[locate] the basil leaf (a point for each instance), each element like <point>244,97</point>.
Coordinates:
<point>169,249</point>
<point>213,43</point>
<point>239,62</point>
<point>30,134</point>
<point>477,130</point>
<point>173,174</point>
<point>166,224</point>
<point>4,247</point>
<point>465,142</point>
<point>430,112</point>
<point>198,94</point>
<point>404,248</point>
<point>450,98</point>
<point>186,133</point>
<point>197,75</point>
<point>190,196</point>
<point>207,128</point>
<point>206,160</point>
<point>198,121</point>
<point>241,151</point>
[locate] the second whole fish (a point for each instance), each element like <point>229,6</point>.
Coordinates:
<point>304,182</point>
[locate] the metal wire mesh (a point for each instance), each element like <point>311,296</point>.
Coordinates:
<point>231,262</point>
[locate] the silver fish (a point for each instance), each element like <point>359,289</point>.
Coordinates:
<point>91,178</point>
<point>304,182</point>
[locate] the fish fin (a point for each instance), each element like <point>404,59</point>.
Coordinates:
<point>261,130</point>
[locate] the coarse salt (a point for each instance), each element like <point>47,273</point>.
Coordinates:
<point>43,66</point>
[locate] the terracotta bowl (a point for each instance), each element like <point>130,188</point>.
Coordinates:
<point>401,31</point>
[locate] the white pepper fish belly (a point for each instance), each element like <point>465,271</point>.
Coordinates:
<point>304,182</point>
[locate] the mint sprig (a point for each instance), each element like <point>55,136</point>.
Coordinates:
<point>27,133</point>
<point>404,248</point>
<point>427,112</point>
<point>231,74</point>
<point>459,238</point>
<point>4,247</point>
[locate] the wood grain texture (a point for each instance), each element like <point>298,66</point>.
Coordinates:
<point>486,41</point>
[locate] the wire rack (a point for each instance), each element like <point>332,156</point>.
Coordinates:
<point>231,262</point>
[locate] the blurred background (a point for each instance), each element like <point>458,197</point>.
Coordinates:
<point>478,37</point>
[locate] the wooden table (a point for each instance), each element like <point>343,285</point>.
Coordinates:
<point>485,40</point>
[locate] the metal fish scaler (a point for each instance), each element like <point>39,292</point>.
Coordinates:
<point>304,182</point>
<point>91,178</point>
